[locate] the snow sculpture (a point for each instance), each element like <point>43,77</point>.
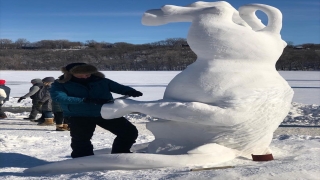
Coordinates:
<point>231,95</point>
<point>226,104</point>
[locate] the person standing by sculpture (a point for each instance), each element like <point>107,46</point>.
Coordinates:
<point>81,91</point>
<point>36,86</point>
<point>45,102</point>
<point>7,90</point>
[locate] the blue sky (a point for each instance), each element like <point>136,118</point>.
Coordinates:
<point>120,20</point>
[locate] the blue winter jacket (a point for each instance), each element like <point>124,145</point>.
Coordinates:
<point>70,95</point>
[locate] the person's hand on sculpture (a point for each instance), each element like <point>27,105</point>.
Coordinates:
<point>97,101</point>
<point>134,93</point>
<point>20,99</point>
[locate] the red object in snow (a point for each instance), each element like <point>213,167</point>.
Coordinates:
<point>264,157</point>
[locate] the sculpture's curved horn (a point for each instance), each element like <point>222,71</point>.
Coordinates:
<point>247,13</point>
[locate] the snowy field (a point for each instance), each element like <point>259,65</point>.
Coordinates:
<point>306,84</point>
<point>296,150</point>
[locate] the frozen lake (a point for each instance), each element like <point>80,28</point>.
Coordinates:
<point>306,84</point>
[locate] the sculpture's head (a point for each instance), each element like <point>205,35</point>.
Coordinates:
<point>172,13</point>
<point>218,31</point>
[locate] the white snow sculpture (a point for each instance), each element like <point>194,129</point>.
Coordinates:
<point>226,104</point>
<point>231,95</point>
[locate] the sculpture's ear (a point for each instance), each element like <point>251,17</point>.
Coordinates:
<point>238,20</point>
<point>153,17</point>
<point>167,14</point>
<point>247,13</point>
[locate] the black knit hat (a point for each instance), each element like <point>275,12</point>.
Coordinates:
<point>78,68</point>
<point>37,80</point>
<point>48,79</point>
<point>70,66</point>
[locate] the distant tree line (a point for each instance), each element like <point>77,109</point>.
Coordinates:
<point>305,57</point>
<point>168,55</point>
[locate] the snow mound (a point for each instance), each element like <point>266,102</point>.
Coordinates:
<point>303,114</point>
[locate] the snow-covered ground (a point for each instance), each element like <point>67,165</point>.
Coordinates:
<point>296,150</point>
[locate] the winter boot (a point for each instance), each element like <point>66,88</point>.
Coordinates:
<point>30,118</point>
<point>47,122</point>
<point>59,127</point>
<point>37,120</point>
<point>66,127</point>
<point>40,121</point>
<point>3,116</point>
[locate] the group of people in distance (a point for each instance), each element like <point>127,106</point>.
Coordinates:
<point>73,102</point>
<point>51,112</point>
<point>41,102</point>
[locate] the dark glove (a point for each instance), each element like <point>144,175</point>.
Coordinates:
<point>96,101</point>
<point>134,93</point>
<point>20,99</point>
<point>38,106</point>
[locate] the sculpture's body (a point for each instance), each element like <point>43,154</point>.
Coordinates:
<point>232,95</point>
<point>226,104</point>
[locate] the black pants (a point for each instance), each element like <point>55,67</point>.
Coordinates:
<point>34,112</point>
<point>58,118</point>
<point>2,114</point>
<point>82,128</point>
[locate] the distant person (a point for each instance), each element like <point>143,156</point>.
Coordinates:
<point>7,90</point>
<point>3,95</point>
<point>45,102</point>
<point>61,122</point>
<point>36,86</point>
<point>81,91</point>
